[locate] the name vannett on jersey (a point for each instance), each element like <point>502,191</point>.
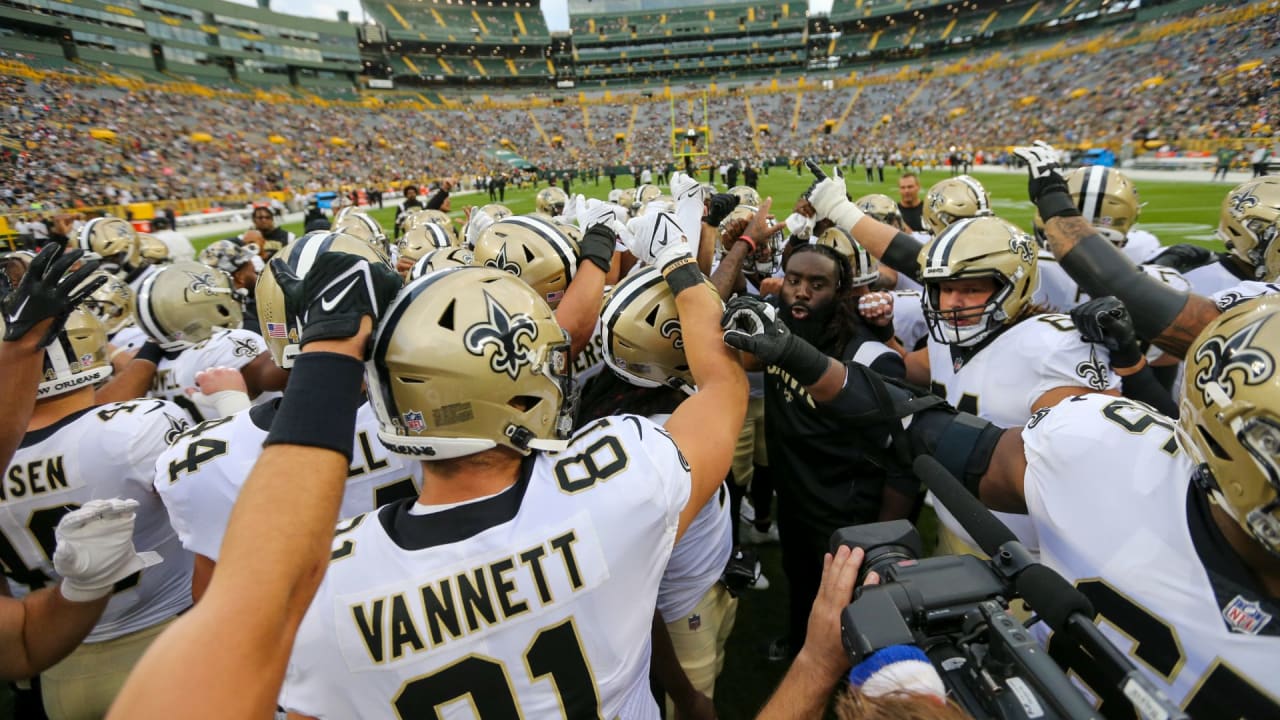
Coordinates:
<point>35,477</point>
<point>465,603</point>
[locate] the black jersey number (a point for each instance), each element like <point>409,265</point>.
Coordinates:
<point>1138,419</point>
<point>968,401</point>
<point>600,461</point>
<point>199,452</point>
<point>1156,646</point>
<point>555,654</point>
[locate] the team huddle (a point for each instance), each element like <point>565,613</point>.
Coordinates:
<point>549,422</point>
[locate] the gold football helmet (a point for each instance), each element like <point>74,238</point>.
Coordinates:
<point>422,239</point>
<point>77,357</point>
<point>362,227</point>
<point>227,255</point>
<point>866,269</point>
<point>468,359</point>
<point>746,195</point>
<point>880,207</point>
<point>180,305</point>
<point>627,199</point>
<point>407,218</point>
<point>112,303</point>
<point>981,247</point>
<point>1107,199</point>
<point>152,250</point>
<point>640,333</point>
<point>642,196</point>
<point>113,239</point>
<point>533,249</point>
<point>439,217</point>
<point>571,231</point>
<point>1249,224</point>
<point>1230,415</point>
<point>496,211</point>
<point>280,330</point>
<point>550,201</point>
<point>767,256</point>
<point>953,199</point>
<point>15,266</point>
<point>440,259</point>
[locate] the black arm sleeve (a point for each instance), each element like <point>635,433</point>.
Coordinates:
<point>962,442</point>
<point>1099,268</point>
<point>1144,386</point>
<point>903,255</point>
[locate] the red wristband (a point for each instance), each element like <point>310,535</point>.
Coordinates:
<point>747,240</point>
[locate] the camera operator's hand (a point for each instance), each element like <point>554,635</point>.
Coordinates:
<point>1106,321</point>
<point>822,645</point>
<point>49,290</point>
<point>752,325</point>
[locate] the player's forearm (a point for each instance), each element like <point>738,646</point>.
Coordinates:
<point>579,309</point>
<point>729,272</point>
<point>52,626</point>
<point>22,361</point>
<point>1167,317</point>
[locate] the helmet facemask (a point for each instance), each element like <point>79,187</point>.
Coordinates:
<point>965,326</point>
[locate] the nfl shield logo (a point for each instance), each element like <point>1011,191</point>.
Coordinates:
<point>695,621</point>
<point>1245,616</point>
<point>414,421</point>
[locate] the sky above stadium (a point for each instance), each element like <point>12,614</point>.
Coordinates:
<point>555,11</point>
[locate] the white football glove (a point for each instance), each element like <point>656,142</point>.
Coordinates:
<point>799,225</point>
<point>656,239</point>
<point>596,212</point>
<point>573,208</point>
<point>1040,157</point>
<point>476,224</point>
<point>683,186</point>
<point>95,549</point>
<point>830,199</point>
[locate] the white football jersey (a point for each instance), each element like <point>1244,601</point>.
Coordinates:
<point>1246,290</point>
<point>908,318</point>
<point>590,361</point>
<point>128,338</point>
<point>1055,290</point>
<point>227,348</point>
<point>1212,278</point>
<point>103,452</point>
<point>1002,380</point>
<point>535,602</point>
<point>1141,246</point>
<point>699,558</point>
<point>200,477</point>
<point>1109,493</point>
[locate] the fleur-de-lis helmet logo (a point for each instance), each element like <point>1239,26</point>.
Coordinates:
<point>501,263</point>
<point>670,329</point>
<point>200,282</point>
<point>1233,359</point>
<point>510,335</point>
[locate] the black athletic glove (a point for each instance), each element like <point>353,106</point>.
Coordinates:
<point>719,207</point>
<point>1045,186</point>
<point>753,326</point>
<point>1183,257</point>
<point>48,291</point>
<point>1106,321</point>
<point>338,291</point>
<point>597,246</point>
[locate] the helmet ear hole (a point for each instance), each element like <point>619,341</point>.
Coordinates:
<point>524,403</point>
<point>446,317</point>
<point>1212,444</point>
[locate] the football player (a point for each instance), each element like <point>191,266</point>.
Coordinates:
<point>550,202</point>
<point>240,263</point>
<point>954,199</point>
<point>1181,562</point>
<point>114,240</point>
<point>76,451</point>
<point>1249,224</point>
<point>418,241</point>
<point>644,348</point>
<point>193,313</point>
<point>199,477</point>
<point>517,521</point>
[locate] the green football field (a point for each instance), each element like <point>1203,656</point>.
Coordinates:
<point>1174,211</point>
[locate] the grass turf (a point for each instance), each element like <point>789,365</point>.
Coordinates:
<point>1175,212</point>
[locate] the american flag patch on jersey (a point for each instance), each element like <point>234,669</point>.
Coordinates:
<point>277,330</point>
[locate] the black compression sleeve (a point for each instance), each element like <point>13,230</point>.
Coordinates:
<point>903,255</point>
<point>1099,268</point>
<point>1144,386</point>
<point>320,403</point>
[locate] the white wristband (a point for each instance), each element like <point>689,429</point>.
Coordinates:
<point>845,215</point>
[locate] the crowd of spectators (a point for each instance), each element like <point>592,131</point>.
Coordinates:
<point>1184,84</point>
